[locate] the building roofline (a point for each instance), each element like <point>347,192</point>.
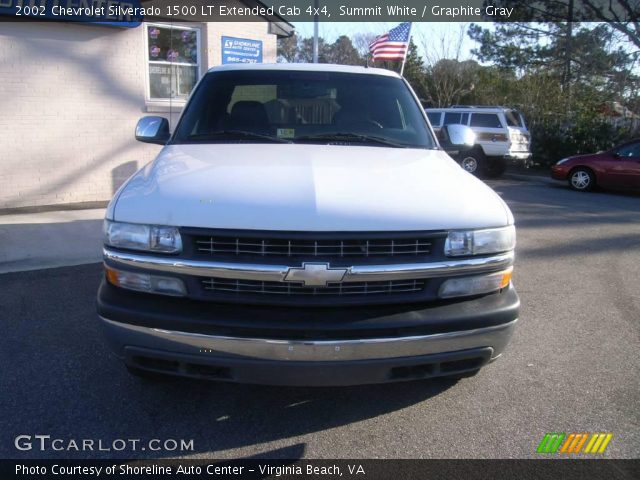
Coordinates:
<point>286,27</point>
<point>280,26</point>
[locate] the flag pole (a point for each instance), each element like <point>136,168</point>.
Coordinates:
<point>315,31</point>
<point>407,52</point>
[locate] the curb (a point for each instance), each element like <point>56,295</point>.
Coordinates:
<point>50,239</point>
<point>31,265</point>
<point>60,207</point>
<point>530,178</point>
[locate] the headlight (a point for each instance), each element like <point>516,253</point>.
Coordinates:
<point>135,236</point>
<point>478,242</point>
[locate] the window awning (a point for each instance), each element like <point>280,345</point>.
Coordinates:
<point>209,13</point>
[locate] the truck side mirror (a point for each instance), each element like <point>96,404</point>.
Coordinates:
<point>153,130</point>
<point>457,137</point>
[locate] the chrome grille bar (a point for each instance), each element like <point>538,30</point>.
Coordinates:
<point>277,273</point>
<point>339,289</point>
<point>314,248</point>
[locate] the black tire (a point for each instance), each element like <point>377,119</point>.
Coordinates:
<point>496,168</point>
<point>582,179</point>
<point>474,161</point>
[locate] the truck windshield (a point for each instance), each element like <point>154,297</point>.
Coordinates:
<point>263,106</point>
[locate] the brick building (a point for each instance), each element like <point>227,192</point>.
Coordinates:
<point>71,94</point>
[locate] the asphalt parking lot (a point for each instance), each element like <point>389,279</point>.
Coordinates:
<point>572,365</point>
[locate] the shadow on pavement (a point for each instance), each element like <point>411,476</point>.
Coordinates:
<point>64,382</point>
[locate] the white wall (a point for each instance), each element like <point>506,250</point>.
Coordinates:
<point>70,96</point>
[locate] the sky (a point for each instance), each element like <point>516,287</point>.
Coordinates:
<point>425,34</point>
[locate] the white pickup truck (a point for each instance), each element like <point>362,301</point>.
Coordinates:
<point>303,226</point>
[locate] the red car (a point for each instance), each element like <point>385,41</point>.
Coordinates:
<point>617,168</point>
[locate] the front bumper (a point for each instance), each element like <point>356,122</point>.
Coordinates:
<point>518,156</point>
<point>559,172</point>
<point>297,346</point>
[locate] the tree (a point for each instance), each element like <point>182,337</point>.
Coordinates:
<point>623,16</point>
<point>513,46</point>
<point>343,52</point>
<point>288,49</point>
<point>361,42</point>
<point>306,51</point>
<point>448,82</point>
<point>588,58</point>
<point>296,50</point>
<point>536,19</point>
<point>447,78</point>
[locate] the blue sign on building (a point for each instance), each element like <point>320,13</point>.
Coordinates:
<point>241,50</point>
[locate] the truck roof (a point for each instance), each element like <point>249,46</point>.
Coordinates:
<point>305,67</point>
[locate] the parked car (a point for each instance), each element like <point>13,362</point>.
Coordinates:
<point>501,136</point>
<point>303,226</point>
<point>618,168</point>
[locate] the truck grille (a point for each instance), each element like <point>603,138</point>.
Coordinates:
<point>223,285</point>
<point>292,249</point>
<point>313,248</point>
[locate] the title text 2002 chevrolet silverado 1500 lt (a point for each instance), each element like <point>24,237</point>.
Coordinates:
<point>303,226</point>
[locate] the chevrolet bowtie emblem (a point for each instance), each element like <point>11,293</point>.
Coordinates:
<point>315,274</point>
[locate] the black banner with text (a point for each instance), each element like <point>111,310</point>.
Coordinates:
<point>253,469</point>
<point>131,12</point>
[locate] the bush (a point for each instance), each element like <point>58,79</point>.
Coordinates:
<point>552,141</point>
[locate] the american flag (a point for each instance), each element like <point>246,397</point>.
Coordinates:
<point>392,45</point>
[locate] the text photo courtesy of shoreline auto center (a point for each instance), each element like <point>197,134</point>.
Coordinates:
<point>377,239</point>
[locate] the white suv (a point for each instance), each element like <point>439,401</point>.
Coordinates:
<point>501,136</point>
<point>303,226</point>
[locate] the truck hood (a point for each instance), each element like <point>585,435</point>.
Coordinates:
<point>292,187</point>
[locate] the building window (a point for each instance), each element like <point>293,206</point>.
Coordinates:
<point>172,61</point>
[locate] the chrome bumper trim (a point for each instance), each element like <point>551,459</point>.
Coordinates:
<point>277,273</point>
<point>123,335</point>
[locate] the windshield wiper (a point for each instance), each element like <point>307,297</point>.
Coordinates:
<point>349,137</point>
<point>236,133</point>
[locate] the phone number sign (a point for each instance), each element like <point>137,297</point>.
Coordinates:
<point>241,50</point>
